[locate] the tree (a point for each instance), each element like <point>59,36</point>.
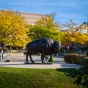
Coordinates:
<point>82,39</point>
<point>46,21</point>
<point>71,26</point>
<point>44,27</point>
<point>37,31</point>
<point>68,36</point>
<point>65,38</point>
<point>53,15</point>
<point>74,37</point>
<point>13,30</point>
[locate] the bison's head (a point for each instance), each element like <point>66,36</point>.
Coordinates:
<point>56,47</point>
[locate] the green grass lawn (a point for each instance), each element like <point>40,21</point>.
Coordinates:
<point>35,78</point>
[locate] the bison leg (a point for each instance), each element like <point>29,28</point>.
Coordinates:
<point>31,58</point>
<point>42,58</point>
<point>27,57</point>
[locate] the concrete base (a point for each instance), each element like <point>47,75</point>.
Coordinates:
<point>40,63</point>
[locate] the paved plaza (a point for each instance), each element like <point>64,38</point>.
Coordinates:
<point>18,61</point>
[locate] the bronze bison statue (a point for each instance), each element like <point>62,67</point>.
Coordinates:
<point>45,46</point>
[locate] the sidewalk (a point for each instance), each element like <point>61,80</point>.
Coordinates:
<point>18,62</point>
<point>39,66</point>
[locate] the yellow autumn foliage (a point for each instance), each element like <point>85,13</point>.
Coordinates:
<point>13,30</point>
<point>75,37</point>
<point>82,38</point>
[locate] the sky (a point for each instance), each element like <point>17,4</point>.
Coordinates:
<point>65,10</point>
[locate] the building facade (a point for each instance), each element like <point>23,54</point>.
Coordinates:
<point>31,18</point>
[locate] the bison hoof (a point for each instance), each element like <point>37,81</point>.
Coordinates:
<point>26,62</point>
<point>33,62</point>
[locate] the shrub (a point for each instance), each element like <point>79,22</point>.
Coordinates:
<point>87,54</point>
<point>74,59</point>
<point>80,76</point>
<point>51,59</point>
<point>84,61</point>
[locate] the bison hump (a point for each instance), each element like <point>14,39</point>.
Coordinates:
<point>46,42</point>
<point>43,42</point>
